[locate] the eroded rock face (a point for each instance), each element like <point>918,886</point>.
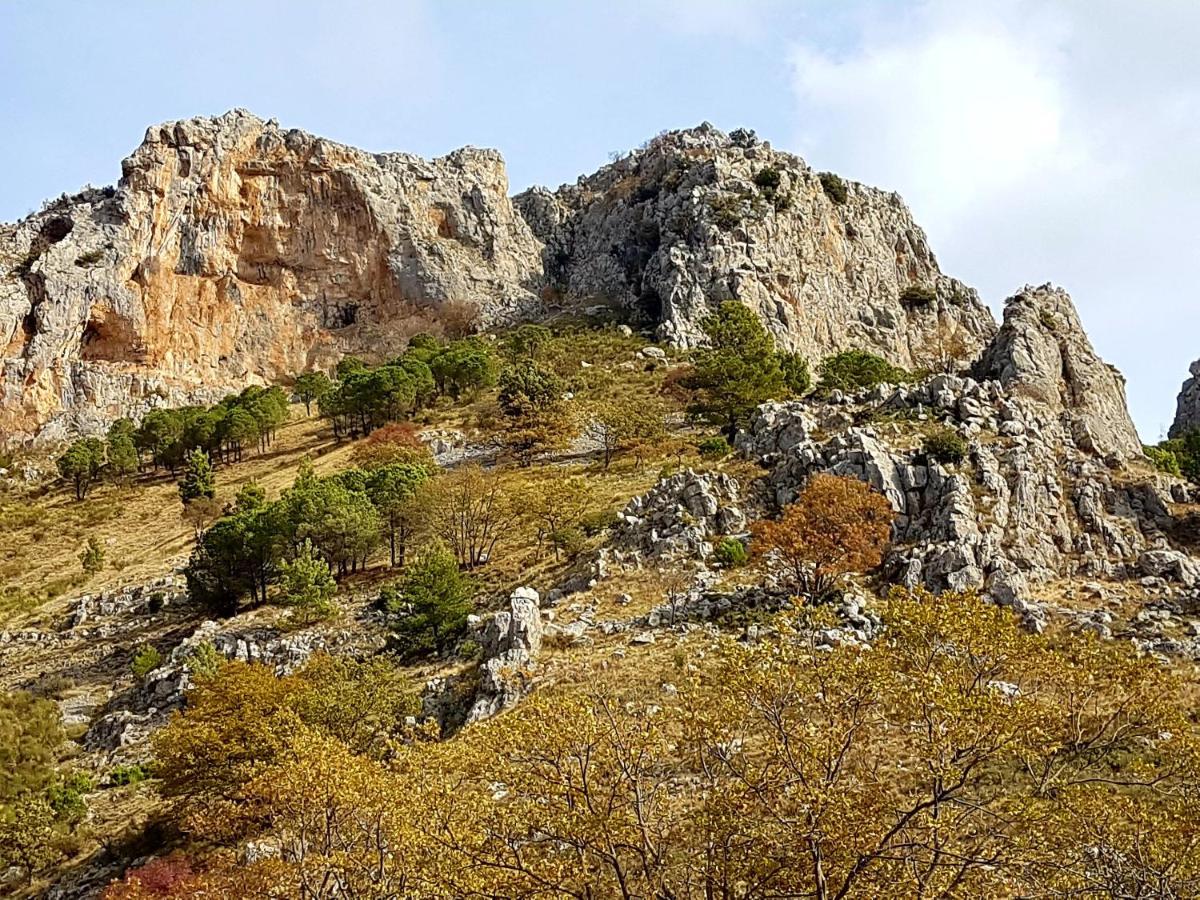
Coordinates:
<point>697,217</point>
<point>1187,406</point>
<point>1030,503</point>
<point>1043,353</point>
<point>679,517</point>
<point>232,252</point>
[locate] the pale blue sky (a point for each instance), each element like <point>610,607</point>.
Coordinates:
<point>1035,141</point>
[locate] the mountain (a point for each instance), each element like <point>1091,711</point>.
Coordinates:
<point>233,251</point>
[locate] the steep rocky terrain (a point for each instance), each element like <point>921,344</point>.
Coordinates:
<point>589,636</point>
<point>1187,405</point>
<point>698,216</point>
<point>234,251</point>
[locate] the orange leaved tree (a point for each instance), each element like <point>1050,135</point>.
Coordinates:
<point>837,525</point>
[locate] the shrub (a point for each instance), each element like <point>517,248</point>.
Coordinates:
<point>854,370</point>
<point>713,447</point>
<point>731,553</point>
<point>126,774</point>
<point>796,376</point>
<point>768,179</point>
<point>145,661</point>
<point>91,557</point>
<point>198,482</point>
<point>834,187</point>
<point>1164,459</point>
<point>66,795</point>
<point>307,585</point>
<point>30,734</point>
<point>570,541</point>
<point>398,442</point>
<point>945,445</point>
<point>737,371</point>
<point>598,522</point>
<point>916,295</point>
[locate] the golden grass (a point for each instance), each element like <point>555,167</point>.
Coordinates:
<point>140,525</point>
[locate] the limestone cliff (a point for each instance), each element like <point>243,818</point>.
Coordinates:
<point>233,251</point>
<point>696,217</point>
<point>1043,353</point>
<point>1187,405</point>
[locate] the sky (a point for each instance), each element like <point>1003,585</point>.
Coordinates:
<point>1055,140</point>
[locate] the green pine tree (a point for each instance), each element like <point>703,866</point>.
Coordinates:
<point>307,585</point>
<point>198,481</point>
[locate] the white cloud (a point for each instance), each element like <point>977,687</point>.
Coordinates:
<point>1034,143</point>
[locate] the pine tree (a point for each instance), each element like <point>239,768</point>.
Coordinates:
<point>198,481</point>
<point>307,585</point>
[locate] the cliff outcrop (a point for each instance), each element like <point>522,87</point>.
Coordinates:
<point>696,217</point>
<point>233,251</point>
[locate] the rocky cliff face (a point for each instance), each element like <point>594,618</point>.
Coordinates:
<point>1043,353</point>
<point>697,217</point>
<point>233,251</point>
<point>1187,406</point>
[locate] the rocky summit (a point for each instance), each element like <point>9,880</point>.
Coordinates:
<point>234,251</point>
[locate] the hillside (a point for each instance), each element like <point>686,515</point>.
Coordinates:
<point>680,590</point>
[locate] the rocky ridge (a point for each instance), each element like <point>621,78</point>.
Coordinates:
<point>1187,405</point>
<point>696,217</point>
<point>1045,491</point>
<point>233,251</point>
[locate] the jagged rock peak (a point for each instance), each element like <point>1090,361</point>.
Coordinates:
<point>1187,405</point>
<point>1042,352</point>
<point>697,216</point>
<point>234,251</point>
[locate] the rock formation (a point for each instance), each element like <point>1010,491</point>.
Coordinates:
<point>1042,352</point>
<point>233,251</point>
<point>696,217</point>
<point>1187,406</point>
<point>1044,491</point>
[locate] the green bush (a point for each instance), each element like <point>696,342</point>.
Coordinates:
<point>127,774</point>
<point>768,179</point>
<point>1178,456</point>
<point>598,522</point>
<point>713,448</point>
<point>916,295</point>
<point>145,661</point>
<point>730,553</point>
<point>1164,459</point>
<point>430,604</point>
<point>946,446</point>
<point>854,370</point>
<point>834,187</point>
<point>66,796</point>
<point>796,376</point>
<point>91,557</point>
<point>569,541</point>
